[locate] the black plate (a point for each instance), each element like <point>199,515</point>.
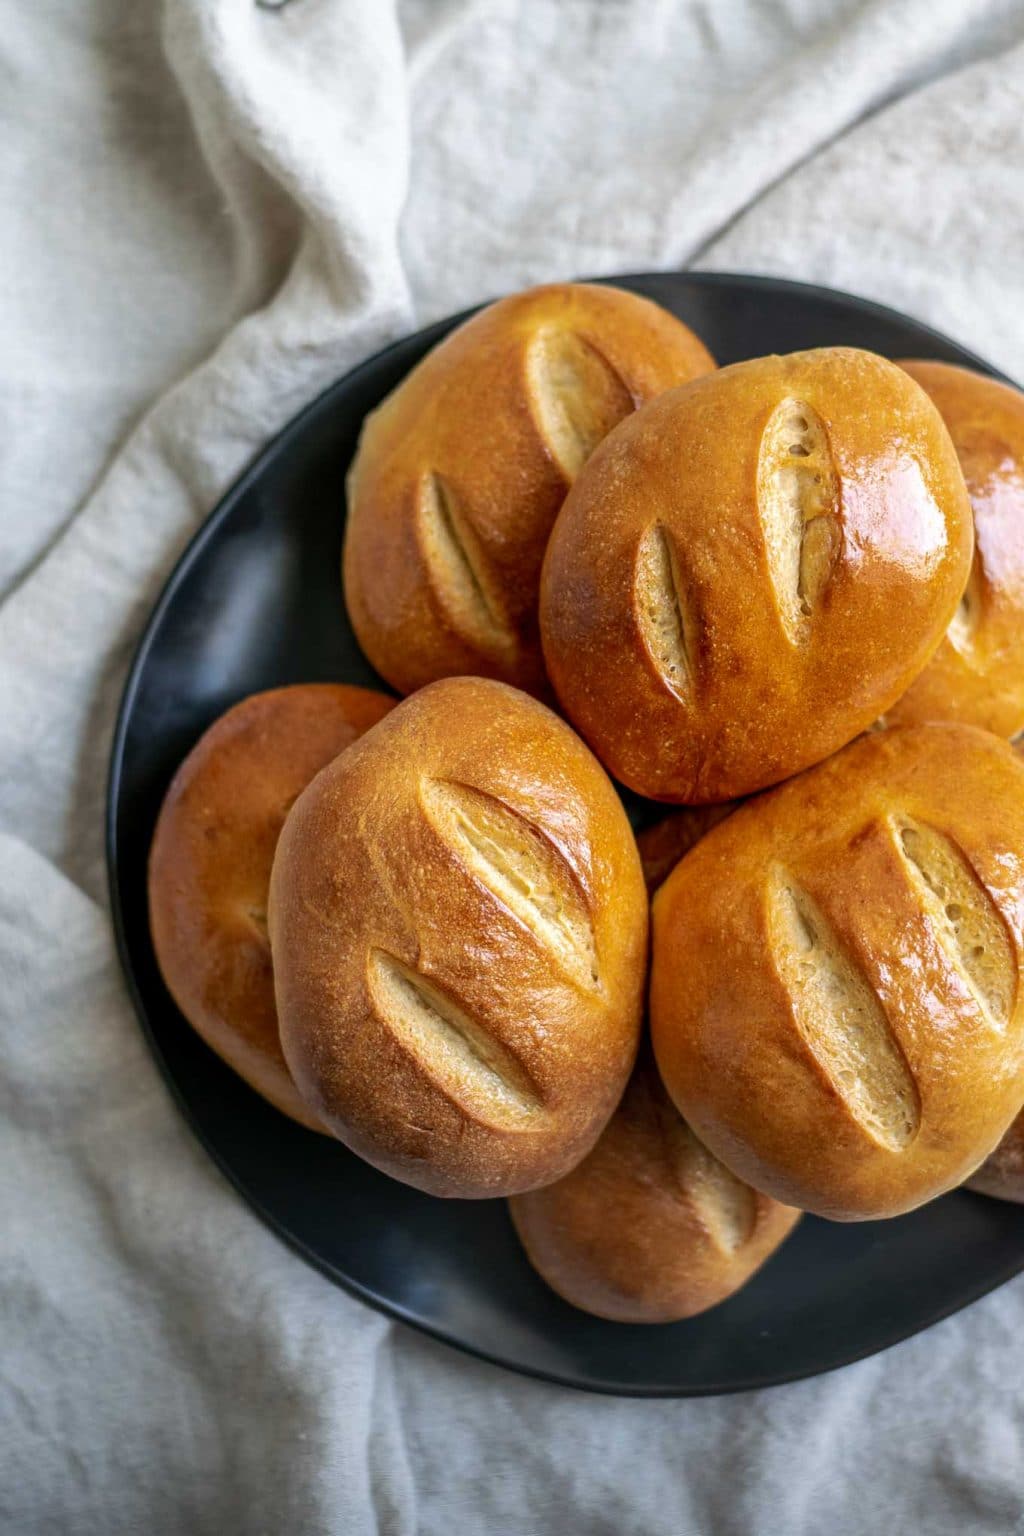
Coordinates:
<point>255,601</point>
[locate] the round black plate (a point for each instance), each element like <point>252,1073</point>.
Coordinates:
<point>255,601</point>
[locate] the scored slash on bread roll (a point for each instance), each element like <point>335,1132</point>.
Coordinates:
<point>460,472</point>
<point>751,568</point>
<point>835,994</point>
<point>459,929</point>
<point>209,866</point>
<point>650,1227</point>
<point>977,673</point>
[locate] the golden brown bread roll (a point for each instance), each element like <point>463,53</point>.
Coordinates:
<point>1002,1173</point>
<point>209,866</point>
<point>650,1227</point>
<point>664,843</point>
<point>977,673</point>
<point>751,569</point>
<point>459,928</point>
<point>835,999</point>
<point>459,474</point>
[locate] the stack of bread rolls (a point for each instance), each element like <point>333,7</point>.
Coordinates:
<point>785,596</point>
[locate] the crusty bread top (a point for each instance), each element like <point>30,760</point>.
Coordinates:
<point>460,473</point>
<point>209,866</point>
<point>835,997</point>
<point>459,922</point>
<point>751,568</point>
<point>977,673</point>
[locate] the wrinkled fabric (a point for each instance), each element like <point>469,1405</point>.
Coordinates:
<point>221,205</point>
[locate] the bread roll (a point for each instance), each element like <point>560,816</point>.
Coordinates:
<point>461,471</point>
<point>664,843</point>
<point>751,569</point>
<point>459,928</point>
<point>977,673</point>
<point>209,867</point>
<point>1002,1173</point>
<point>650,1227</point>
<point>835,1000</point>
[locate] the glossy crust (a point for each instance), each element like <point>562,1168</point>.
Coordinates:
<point>650,1227</point>
<point>209,866</point>
<point>835,1000</point>
<point>459,928</point>
<point>751,569</point>
<point>977,673</point>
<point>460,473</point>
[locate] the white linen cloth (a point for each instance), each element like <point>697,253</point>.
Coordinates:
<point>231,203</point>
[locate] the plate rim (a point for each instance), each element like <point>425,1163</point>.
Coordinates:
<point>193,548</point>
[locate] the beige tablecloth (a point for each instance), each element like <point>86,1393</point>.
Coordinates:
<point>226,204</point>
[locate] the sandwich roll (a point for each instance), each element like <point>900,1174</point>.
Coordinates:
<point>460,472</point>
<point>209,867</point>
<point>752,568</point>
<point>835,999</point>
<point>977,673</point>
<point>459,928</point>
